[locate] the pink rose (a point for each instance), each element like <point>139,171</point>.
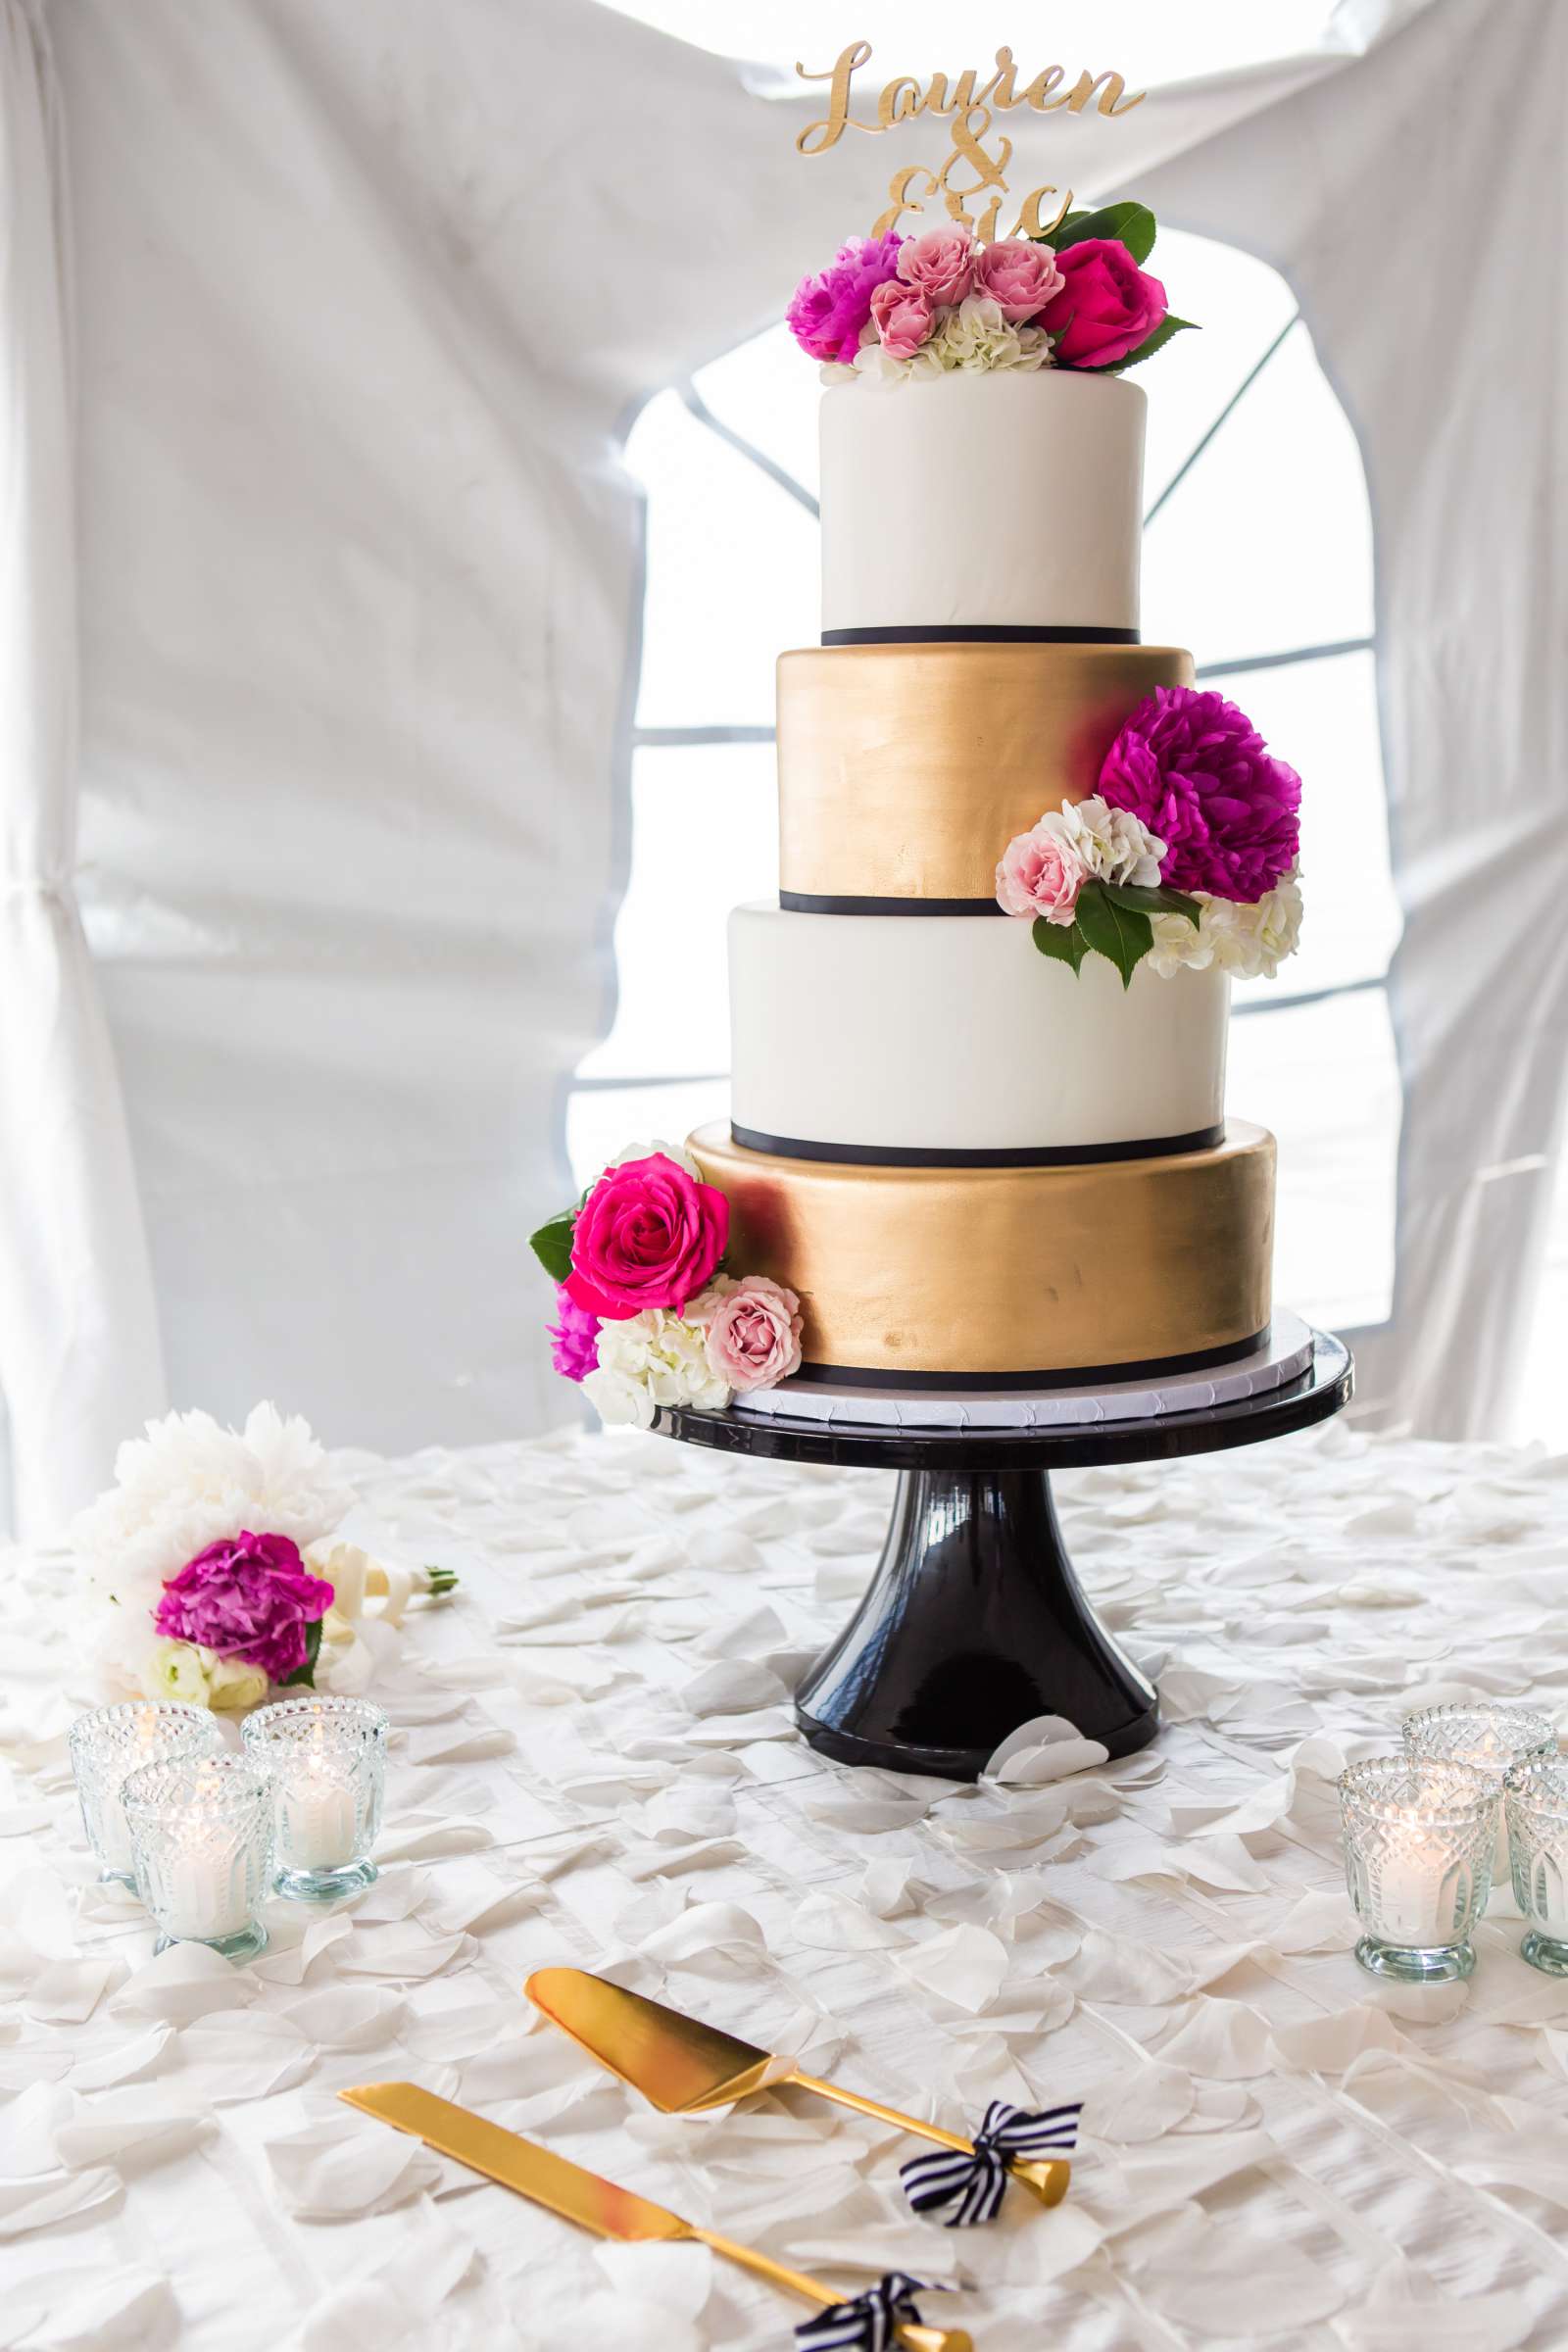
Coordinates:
<point>249,1598</point>
<point>903,318</point>
<point>753,1333</point>
<point>940,264</point>
<point>1040,873</point>
<point>1020,278</point>
<point>1106,305</point>
<point>648,1234</point>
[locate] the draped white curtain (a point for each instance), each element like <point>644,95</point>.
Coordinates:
<point>366,297</point>
<point>78,1335</point>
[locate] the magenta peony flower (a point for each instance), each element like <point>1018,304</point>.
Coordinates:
<point>1020,278</point>
<point>753,1337</point>
<point>248,1597</point>
<point>573,1337</point>
<point>828,312</point>
<point>903,317</point>
<point>1106,307</point>
<point>648,1234</point>
<point>1197,772</point>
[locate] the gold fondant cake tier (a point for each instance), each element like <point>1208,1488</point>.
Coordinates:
<point>1008,1276</point>
<point>903,770</point>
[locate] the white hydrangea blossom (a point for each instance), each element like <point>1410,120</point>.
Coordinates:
<point>675,1152</point>
<point>973,336</point>
<point>652,1361</point>
<point>1248,941</point>
<point>1110,843</point>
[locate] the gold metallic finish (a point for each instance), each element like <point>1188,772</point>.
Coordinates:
<point>684,2067</point>
<point>1008,1271</point>
<point>904,770</point>
<point>584,2197</point>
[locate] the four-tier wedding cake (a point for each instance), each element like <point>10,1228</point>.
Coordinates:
<point>978,1135</point>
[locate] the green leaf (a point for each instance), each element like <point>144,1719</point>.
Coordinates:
<point>1129,224</point>
<point>551,1245</point>
<point>1120,934</point>
<point>1063,230</point>
<point>1160,900</point>
<point>1169,325</point>
<point>306,1674</point>
<point>1064,941</point>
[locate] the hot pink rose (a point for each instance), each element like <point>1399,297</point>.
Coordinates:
<point>1040,873</point>
<point>940,263</point>
<point>903,318</point>
<point>1106,307</point>
<point>753,1333</point>
<point>249,1598</point>
<point>1020,278</point>
<point>648,1234</point>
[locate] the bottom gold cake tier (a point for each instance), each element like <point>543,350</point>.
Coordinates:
<point>1009,1277</point>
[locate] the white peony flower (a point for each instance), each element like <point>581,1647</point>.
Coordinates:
<point>675,1152</point>
<point>657,1359</point>
<point>232,1685</point>
<point>1250,942</point>
<point>175,1670</point>
<point>189,1483</point>
<point>1112,843</point>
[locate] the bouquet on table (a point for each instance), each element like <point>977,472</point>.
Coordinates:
<point>647,1314</point>
<point>215,1572</point>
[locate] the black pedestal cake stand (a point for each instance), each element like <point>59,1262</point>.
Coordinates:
<point>974,1621</point>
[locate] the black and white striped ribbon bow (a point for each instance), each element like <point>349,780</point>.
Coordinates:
<point>974,2185</point>
<point>867,2324</point>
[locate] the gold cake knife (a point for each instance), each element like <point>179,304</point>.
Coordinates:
<point>593,2203</point>
<point>682,2066</point>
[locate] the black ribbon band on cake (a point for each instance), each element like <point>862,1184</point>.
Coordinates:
<point>807,902</point>
<point>982,632</point>
<point>1006,1384</point>
<point>1023,1155</point>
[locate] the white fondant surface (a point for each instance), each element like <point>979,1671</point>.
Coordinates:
<point>1286,1353</point>
<point>993,499</point>
<point>954,1033</point>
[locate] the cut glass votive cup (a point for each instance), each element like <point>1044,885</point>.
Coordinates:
<point>1419,1840</point>
<point>1492,1735</point>
<point>325,1761</point>
<point>201,1828</point>
<point>1535,1799</point>
<point>110,1744</point>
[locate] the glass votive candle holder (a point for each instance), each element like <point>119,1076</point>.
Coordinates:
<point>326,1759</point>
<point>1419,1838</point>
<point>110,1744</point>
<point>201,1828</point>
<point>1492,1735</point>
<point>1536,1801</point>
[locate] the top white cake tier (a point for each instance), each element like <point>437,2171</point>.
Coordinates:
<point>1001,500</point>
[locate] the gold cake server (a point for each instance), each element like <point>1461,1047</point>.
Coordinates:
<point>682,2066</point>
<point>618,2213</point>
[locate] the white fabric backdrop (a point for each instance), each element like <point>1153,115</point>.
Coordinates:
<point>366,297</point>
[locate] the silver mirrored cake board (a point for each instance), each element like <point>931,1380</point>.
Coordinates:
<point>974,1621</point>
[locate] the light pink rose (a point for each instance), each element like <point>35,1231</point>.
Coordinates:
<point>1040,873</point>
<point>940,263</point>
<point>1020,278</point>
<point>753,1333</point>
<point>903,318</point>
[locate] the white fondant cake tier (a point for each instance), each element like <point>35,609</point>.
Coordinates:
<point>990,500</point>
<point>953,1033</point>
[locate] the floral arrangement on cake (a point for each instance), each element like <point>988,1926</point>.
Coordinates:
<point>647,1314</point>
<point>1188,853</point>
<point>890,308</point>
<point>211,1567</point>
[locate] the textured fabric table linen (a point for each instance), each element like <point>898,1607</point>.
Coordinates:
<point>593,1761</point>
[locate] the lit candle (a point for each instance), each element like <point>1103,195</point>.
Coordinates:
<point>208,1898</point>
<point>315,1829</point>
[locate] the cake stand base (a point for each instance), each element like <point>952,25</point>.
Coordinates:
<point>975,1618</point>
<point>974,1622</point>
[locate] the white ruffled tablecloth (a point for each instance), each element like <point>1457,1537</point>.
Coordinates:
<point>593,1761</point>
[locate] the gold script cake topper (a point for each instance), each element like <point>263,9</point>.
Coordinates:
<point>971,107</point>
